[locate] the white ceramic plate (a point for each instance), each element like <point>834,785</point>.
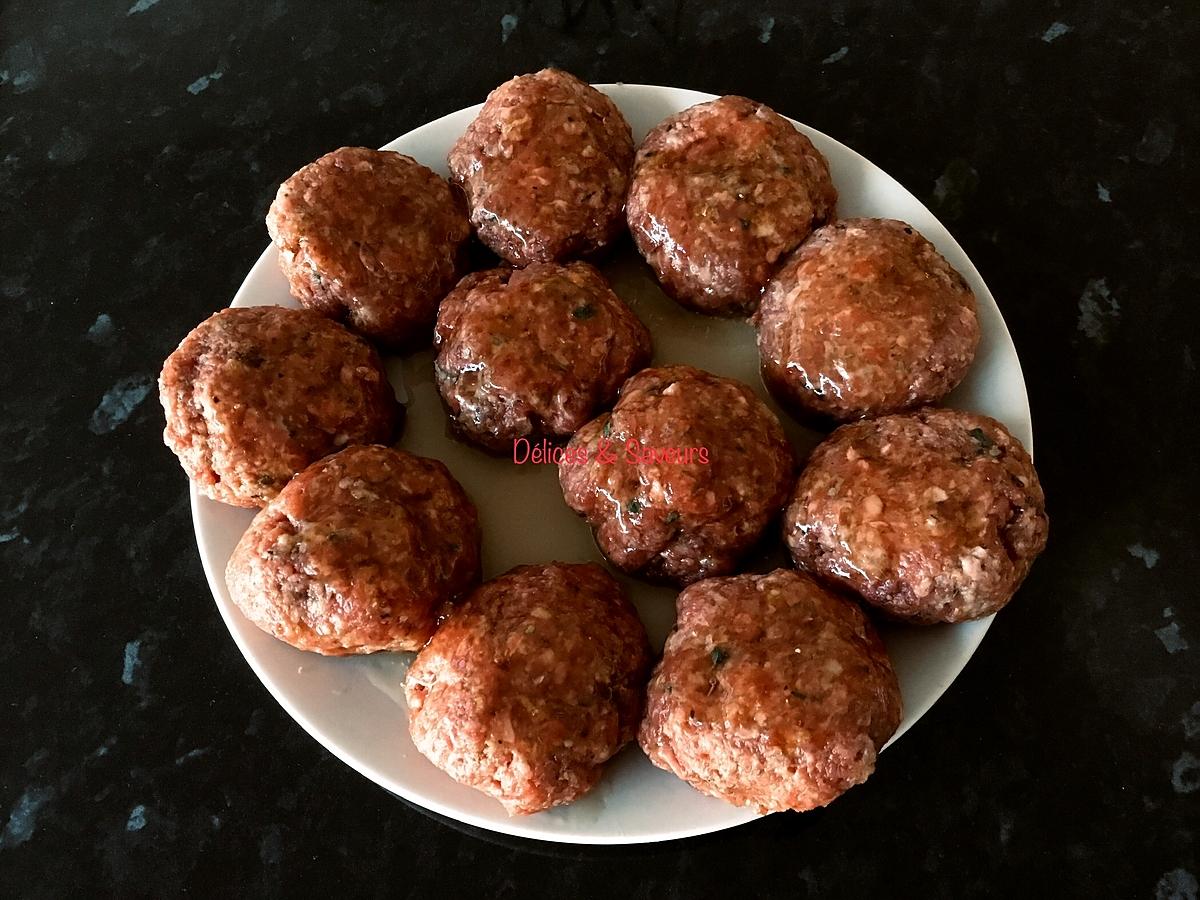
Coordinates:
<point>355,706</point>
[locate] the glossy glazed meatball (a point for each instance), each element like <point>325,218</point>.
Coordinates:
<point>360,552</point>
<point>772,693</point>
<point>682,477</point>
<point>932,516</point>
<point>533,352</point>
<point>253,395</point>
<point>372,238</point>
<point>865,318</point>
<point>720,193</point>
<point>545,166</point>
<point>531,685</point>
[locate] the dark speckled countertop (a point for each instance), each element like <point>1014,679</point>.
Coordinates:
<point>140,143</point>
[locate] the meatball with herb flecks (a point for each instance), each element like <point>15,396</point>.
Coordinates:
<point>545,166</point>
<point>531,685</point>
<point>371,238</point>
<point>721,192</point>
<point>931,516</point>
<point>682,478</point>
<point>772,692</point>
<point>253,395</point>
<point>361,552</point>
<point>865,318</point>
<point>534,352</point>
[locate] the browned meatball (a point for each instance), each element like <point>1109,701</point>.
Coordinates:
<point>372,238</point>
<point>360,552</point>
<point>772,693</point>
<point>533,352</point>
<point>545,166</point>
<point>531,685</point>
<point>933,516</point>
<point>696,467</point>
<point>254,395</point>
<point>720,192</point>
<point>865,318</point>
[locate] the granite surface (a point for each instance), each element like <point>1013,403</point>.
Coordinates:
<point>140,143</point>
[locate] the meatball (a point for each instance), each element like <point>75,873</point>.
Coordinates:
<point>371,238</point>
<point>545,166</point>
<point>531,685</point>
<point>360,552</point>
<point>533,352</point>
<point>772,693</point>
<point>932,516</point>
<point>253,395</point>
<point>721,192</point>
<point>865,318</point>
<point>682,477</point>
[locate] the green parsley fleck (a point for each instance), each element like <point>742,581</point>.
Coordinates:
<point>986,444</point>
<point>718,656</point>
<point>607,430</point>
<point>634,506</point>
<point>583,312</point>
